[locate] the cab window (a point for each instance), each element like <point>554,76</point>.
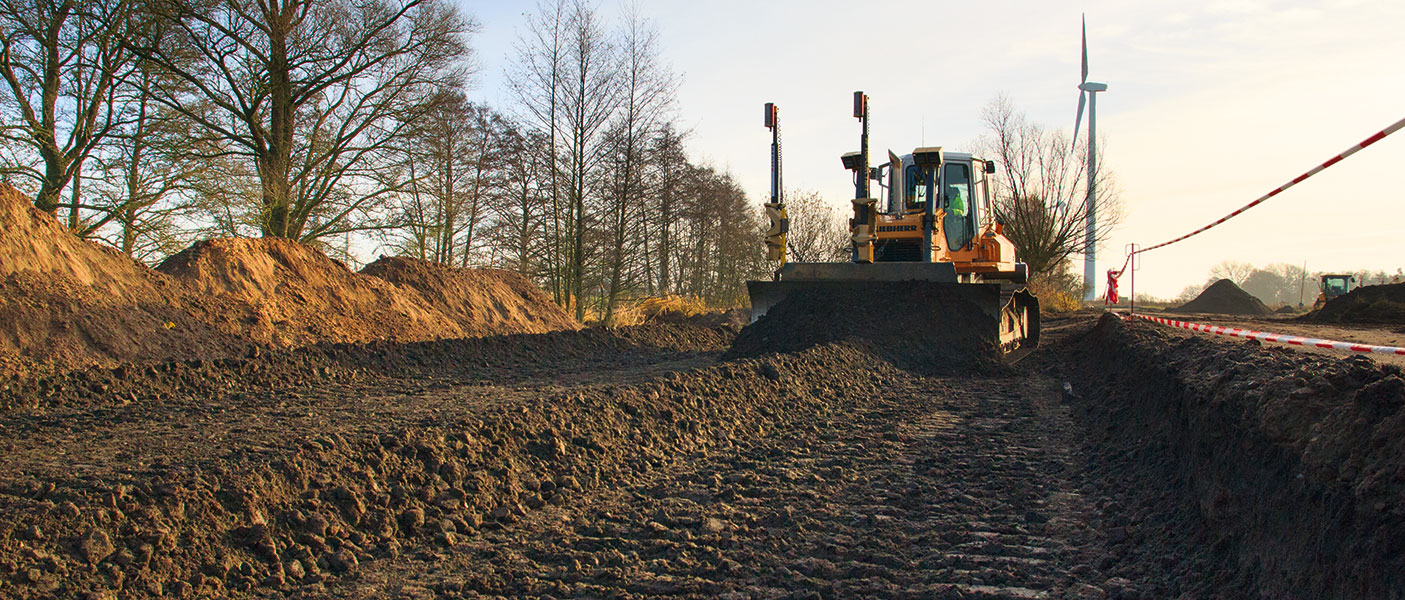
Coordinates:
<point>956,189</point>
<point>916,187</point>
<point>959,222</point>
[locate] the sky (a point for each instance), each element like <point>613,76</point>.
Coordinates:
<point>1209,105</point>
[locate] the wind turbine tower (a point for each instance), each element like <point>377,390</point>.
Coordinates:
<point>1088,94</point>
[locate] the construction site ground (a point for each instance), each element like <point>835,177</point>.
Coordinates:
<point>1116,462</point>
<point>1376,335</point>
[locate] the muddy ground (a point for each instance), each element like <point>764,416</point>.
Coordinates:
<point>1116,462</point>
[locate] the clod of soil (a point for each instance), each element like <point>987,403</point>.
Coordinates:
<point>479,301</point>
<point>925,327</point>
<point>1225,298</point>
<point>1367,304</point>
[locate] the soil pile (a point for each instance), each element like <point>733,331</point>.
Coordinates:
<point>1296,459</point>
<point>68,302</point>
<point>1225,298</point>
<point>925,327</point>
<point>480,301</point>
<point>297,295</point>
<point>1368,304</point>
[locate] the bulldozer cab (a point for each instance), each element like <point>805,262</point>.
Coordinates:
<point>1335,285</point>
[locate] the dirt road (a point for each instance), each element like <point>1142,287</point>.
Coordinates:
<point>635,464</point>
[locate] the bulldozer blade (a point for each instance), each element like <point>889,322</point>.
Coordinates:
<point>793,276</point>
<point>1011,313</point>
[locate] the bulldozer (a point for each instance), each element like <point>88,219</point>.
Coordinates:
<point>1333,285</point>
<point>930,225</point>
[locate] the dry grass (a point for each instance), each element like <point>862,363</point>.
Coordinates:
<point>1054,299</point>
<point>658,308</point>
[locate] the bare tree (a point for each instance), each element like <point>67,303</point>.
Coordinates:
<point>535,79</point>
<point>647,88</point>
<point>63,64</point>
<point>519,225</point>
<point>671,164</point>
<point>451,153</point>
<point>147,169</point>
<point>1041,193</point>
<point>309,92</point>
<point>817,231</point>
<point>1233,270</point>
<point>590,95</point>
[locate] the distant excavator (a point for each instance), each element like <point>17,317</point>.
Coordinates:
<point>933,227</point>
<point>1333,286</point>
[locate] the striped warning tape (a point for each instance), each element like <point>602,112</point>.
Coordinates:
<point>1378,136</point>
<point>1275,337</point>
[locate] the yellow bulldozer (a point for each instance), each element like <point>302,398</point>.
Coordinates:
<point>931,225</point>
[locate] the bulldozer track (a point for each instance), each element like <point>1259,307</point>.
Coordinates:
<point>938,488</point>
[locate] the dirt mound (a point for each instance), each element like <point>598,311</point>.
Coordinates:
<point>1285,310</point>
<point>1296,459</point>
<point>480,301</point>
<point>68,302</point>
<point>926,327</point>
<point>1368,304</point>
<point>1225,298</point>
<point>297,295</point>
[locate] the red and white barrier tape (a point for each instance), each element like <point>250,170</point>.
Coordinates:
<point>1275,337</point>
<point>1378,136</point>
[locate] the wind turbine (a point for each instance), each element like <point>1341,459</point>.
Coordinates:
<point>1088,94</point>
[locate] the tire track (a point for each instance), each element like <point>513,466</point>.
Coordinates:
<point>935,488</point>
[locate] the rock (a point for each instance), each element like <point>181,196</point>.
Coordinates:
<point>180,589</point>
<point>447,538</point>
<point>473,520</point>
<point>713,525</point>
<point>508,512</point>
<point>769,371</point>
<point>316,524</point>
<point>44,582</point>
<point>448,525</point>
<point>95,546</point>
<point>1116,585</point>
<point>1116,535</point>
<point>35,533</point>
<point>411,519</point>
<point>341,561</point>
<point>1085,591</point>
<point>349,501</point>
<point>294,569</point>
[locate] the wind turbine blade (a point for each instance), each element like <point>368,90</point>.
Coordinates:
<point>1082,100</point>
<point>1085,49</point>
